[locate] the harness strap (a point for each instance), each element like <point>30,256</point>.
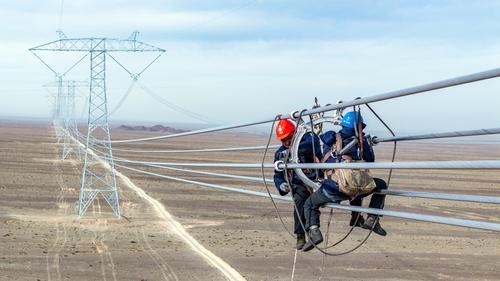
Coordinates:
<point>360,136</point>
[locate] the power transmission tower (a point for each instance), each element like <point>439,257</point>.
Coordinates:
<point>65,110</point>
<point>98,174</point>
<point>56,118</point>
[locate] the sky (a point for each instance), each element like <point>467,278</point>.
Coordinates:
<point>241,60</point>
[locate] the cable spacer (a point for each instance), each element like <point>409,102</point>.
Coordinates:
<point>277,164</point>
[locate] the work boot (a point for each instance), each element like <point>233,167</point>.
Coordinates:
<point>377,228</point>
<point>301,240</point>
<point>315,238</point>
<point>360,221</point>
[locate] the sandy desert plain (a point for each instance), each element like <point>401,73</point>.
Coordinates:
<point>227,233</point>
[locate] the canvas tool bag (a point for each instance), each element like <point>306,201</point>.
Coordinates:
<point>352,182</point>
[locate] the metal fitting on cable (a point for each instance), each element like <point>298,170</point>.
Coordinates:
<point>293,113</point>
<point>277,166</point>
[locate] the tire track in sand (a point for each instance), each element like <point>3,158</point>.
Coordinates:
<point>165,269</point>
<point>53,255</point>
<point>101,248</point>
<point>166,275</point>
<point>229,272</point>
<point>162,261</point>
<point>174,226</point>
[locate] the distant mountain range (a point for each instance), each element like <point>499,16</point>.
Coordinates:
<point>155,128</point>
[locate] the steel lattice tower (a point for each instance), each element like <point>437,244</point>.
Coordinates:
<point>64,115</point>
<point>98,173</point>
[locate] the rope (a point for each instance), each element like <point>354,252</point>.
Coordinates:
<point>323,260</point>
<point>265,182</point>
<point>294,264</point>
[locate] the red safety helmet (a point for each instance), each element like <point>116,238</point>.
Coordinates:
<point>285,128</point>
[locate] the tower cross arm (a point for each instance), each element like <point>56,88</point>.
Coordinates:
<point>97,44</point>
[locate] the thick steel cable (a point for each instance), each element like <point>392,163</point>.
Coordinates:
<point>195,132</point>
<point>394,192</point>
<point>418,165</point>
<point>484,75</point>
<point>226,149</point>
<point>210,165</point>
<point>455,134</point>
<point>256,179</point>
<point>400,214</point>
<point>443,196</point>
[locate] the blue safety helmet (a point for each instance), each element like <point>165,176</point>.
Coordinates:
<point>350,120</point>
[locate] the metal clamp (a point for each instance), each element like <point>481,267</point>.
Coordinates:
<point>277,166</point>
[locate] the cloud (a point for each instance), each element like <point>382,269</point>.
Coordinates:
<point>270,56</point>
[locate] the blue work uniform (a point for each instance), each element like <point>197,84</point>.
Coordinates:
<point>329,190</point>
<point>299,191</point>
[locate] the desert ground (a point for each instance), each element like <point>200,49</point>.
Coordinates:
<point>178,231</point>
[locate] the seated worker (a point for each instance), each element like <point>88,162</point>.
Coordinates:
<point>285,132</point>
<point>331,191</point>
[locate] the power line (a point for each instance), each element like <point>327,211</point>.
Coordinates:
<point>468,133</point>
<point>418,165</point>
<point>173,106</point>
<point>399,214</point>
<point>394,192</point>
<point>124,97</point>
<point>222,15</point>
<point>61,11</point>
<point>227,149</point>
<point>479,76</point>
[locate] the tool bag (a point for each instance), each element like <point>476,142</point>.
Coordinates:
<point>352,182</point>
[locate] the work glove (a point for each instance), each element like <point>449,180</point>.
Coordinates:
<point>285,187</point>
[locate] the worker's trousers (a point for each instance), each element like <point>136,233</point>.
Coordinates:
<point>319,198</point>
